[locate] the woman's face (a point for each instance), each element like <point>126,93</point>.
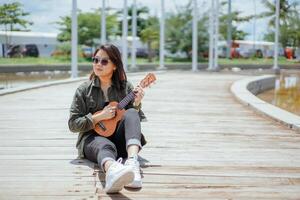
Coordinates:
<point>104,66</point>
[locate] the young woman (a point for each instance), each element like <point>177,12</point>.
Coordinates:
<point>108,83</point>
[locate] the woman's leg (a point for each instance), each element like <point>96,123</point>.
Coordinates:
<point>127,137</point>
<point>128,141</point>
<point>100,150</point>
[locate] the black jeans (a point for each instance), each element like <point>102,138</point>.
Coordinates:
<point>99,149</point>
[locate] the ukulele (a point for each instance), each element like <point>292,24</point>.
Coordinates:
<point>107,127</point>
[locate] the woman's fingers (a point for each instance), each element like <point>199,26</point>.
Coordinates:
<point>139,92</point>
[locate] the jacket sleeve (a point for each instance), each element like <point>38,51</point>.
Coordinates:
<point>142,115</point>
<point>129,88</point>
<point>80,120</point>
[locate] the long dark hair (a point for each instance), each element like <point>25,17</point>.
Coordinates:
<point>119,76</point>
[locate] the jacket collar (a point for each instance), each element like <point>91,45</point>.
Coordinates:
<point>97,83</point>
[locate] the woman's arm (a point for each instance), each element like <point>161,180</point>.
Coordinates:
<point>80,120</point>
<point>134,104</point>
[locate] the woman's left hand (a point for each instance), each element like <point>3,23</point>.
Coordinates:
<point>139,94</point>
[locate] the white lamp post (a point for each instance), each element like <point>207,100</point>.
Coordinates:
<point>74,40</point>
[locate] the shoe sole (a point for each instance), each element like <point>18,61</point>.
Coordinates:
<point>134,185</point>
<point>120,182</point>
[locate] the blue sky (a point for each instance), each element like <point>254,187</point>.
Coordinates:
<point>45,12</point>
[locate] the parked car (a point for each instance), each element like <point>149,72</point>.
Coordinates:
<point>144,52</point>
<point>23,51</point>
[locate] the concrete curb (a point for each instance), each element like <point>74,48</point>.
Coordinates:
<point>245,91</point>
<point>140,67</point>
<point>41,85</point>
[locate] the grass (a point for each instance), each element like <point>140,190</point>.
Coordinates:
<point>258,61</point>
<point>40,60</point>
<point>64,60</point>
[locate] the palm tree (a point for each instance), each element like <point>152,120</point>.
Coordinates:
<point>150,35</point>
<point>287,8</point>
<point>288,19</point>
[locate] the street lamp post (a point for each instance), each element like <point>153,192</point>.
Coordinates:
<point>275,66</point>
<point>134,25</point>
<point>211,36</point>
<point>103,23</point>
<point>216,36</point>
<point>229,30</point>
<point>74,40</point>
<point>162,36</point>
<point>195,36</point>
<point>124,35</point>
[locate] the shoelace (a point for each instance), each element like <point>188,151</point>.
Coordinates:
<point>134,163</point>
<point>116,164</point>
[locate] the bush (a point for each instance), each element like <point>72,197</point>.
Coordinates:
<point>63,52</point>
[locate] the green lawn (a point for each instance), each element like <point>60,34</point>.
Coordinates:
<point>32,60</point>
<point>28,60</point>
<point>258,61</point>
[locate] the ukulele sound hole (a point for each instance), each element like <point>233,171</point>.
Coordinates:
<point>101,125</point>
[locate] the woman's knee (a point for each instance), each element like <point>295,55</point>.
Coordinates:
<point>104,148</point>
<point>131,112</point>
<point>102,142</point>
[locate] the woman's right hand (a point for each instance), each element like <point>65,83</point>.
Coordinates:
<point>108,112</point>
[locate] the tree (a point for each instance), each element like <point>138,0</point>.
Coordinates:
<point>89,26</point>
<point>287,8</point>
<point>179,31</point>
<point>235,19</point>
<point>141,20</point>
<point>11,14</point>
<point>289,21</point>
<point>150,35</point>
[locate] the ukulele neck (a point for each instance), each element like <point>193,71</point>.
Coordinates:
<point>126,100</point>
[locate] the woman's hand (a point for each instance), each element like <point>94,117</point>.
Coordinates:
<point>139,94</point>
<point>108,112</point>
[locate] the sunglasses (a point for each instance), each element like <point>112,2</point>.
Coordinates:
<point>103,61</point>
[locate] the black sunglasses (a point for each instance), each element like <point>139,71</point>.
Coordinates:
<point>103,61</point>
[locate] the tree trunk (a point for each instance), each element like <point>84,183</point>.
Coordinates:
<point>149,52</point>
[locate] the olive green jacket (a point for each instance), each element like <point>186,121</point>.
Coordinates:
<point>88,99</point>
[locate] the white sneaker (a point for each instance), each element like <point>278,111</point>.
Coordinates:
<point>134,163</point>
<point>117,176</point>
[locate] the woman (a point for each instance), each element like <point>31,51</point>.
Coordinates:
<point>108,83</point>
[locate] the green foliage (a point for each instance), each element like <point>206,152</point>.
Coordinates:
<point>235,19</point>
<point>89,26</point>
<point>150,36</point>
<point>179,31</point>
<point>12,14</point>
<point>142,19</point>
<point>287,8</point>
<point>64,49</point>
<point>289,22</point>
<point>63,52</point>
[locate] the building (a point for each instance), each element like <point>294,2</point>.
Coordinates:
<point>247,48</point>
<point>46,42</point>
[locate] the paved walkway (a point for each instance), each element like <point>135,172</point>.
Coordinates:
<point>202,144</point>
